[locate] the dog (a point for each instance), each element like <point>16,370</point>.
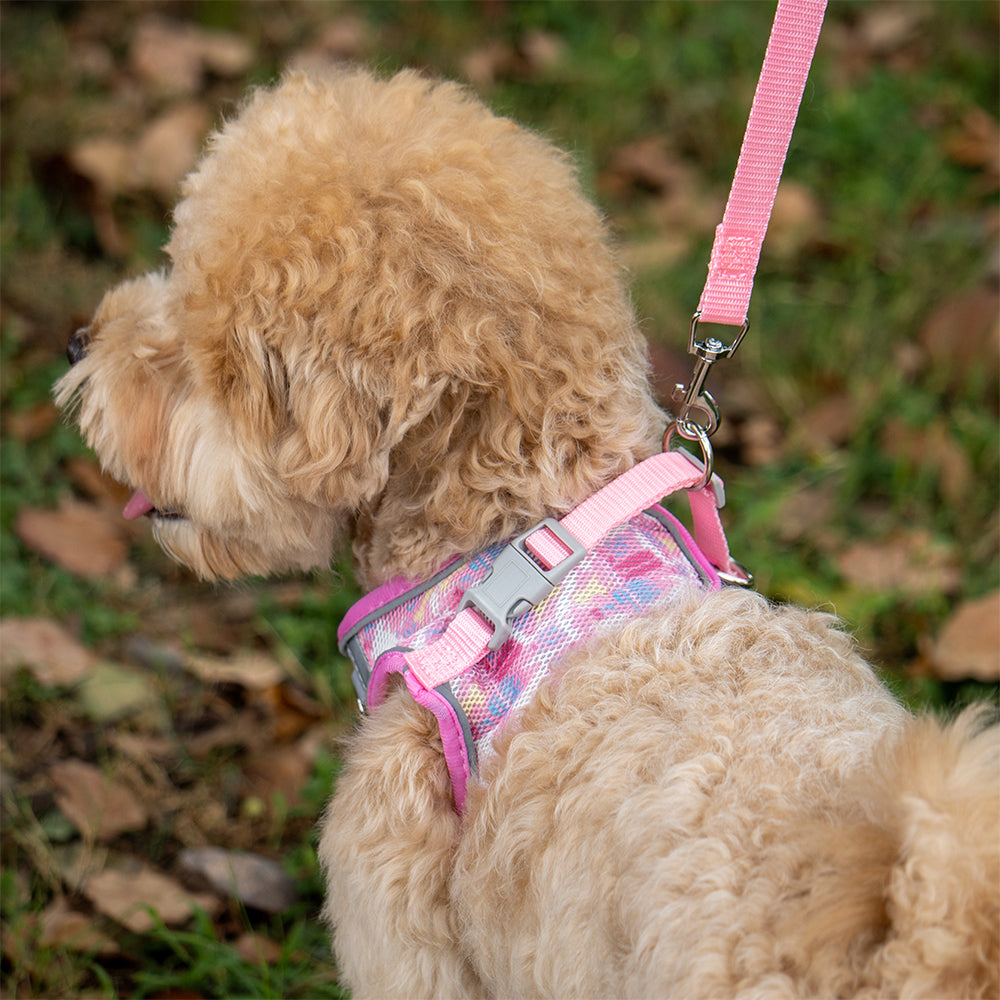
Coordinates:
<point>391,316</point>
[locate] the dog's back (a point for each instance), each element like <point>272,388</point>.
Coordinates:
<point>759,816</point>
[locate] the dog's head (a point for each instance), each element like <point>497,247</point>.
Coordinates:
<point>385,307</point>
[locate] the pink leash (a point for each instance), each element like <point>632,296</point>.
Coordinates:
<point>725,299</point>
<point>738,240</point>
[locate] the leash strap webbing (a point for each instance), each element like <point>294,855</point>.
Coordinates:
<point>738,240</point>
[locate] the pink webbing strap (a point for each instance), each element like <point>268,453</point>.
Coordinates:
<point>466,639</point>
<point>738,240</point>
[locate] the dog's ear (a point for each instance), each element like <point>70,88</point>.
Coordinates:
<point>248,375</point>
<point>345,419</point>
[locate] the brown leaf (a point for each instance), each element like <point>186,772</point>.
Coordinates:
<point>932,448</point>
<point>252,670</point>
<point>829,424</point>
<point>168,149</point>
<point>99,808</point>
<point>63,927</point>
<point>807,513</point>
<point>540,51</point>
<point>484,65</point>
<point>343,38</point>
<point>646,164</point>
<point>173,57</point>
<point>962,335</point>
<point>795,221</point>
<point>252,879</point>
<point>294,711</point>
<point>976,143</point>
<point>125,891</point>
<point>105,161</point>
<point>762,439</point>
<point>87,475</point>
<point>78,537</point>
<point>885,27</point>
<point>282,770</point>
<point>51,655</point>
<point>969,643</point>
<point>157,161</point>
<point>257,949</point>
<point>910,562</point>
<point>110,692</point>
<point>28,425</point>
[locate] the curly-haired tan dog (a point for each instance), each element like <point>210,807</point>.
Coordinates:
<point>392,315</point>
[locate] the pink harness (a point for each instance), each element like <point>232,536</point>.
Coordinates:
<point>530,610</point>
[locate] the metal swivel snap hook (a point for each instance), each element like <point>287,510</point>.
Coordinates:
<point>698,414</point>
<point>697,407</point>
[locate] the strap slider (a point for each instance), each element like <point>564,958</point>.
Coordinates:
<point>518,582</point>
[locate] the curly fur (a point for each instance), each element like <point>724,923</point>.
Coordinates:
<point>391,315</point>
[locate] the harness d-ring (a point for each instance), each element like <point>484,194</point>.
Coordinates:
<point>692,432</point>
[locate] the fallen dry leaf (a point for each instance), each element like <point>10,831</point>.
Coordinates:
<point>88,476</point>
<point>294,711</point>
<point>762,440</point>
<point>932,448</point>
<point>883,27</point>
<point>969,643</point>
<point>646,164</point>
<point>795,221</point>
<point>250,669</point>
<point>63,927</point>
<point>27,425</point>
<point>157,161</point>
<point>976,143</point>
<point>280,770</point>
<point>809,513</point>
<point>168,148</point>
<point>829,424</point>
<point>105,161</point>
<point>492,61</point>
<point>909,562</point>
<point>173,57</point>
<point>540,51</point>
<point>254,880</point>
<point>343,38</point>
<point>257,949</point>
<point>45,649</point>
<point>99,808</point>
<point>962,335</point>
<point>77,536</point>
<point>127,892</point>
<point>110,692</point>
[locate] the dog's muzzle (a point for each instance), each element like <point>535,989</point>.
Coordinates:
<point>78,345</point>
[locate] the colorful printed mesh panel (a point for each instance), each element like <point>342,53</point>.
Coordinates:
<point>635,565</point>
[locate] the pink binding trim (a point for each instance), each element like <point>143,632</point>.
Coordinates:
<point>738,240</point>
<point>450,728</point>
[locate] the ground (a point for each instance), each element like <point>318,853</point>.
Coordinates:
<point>153,727</point>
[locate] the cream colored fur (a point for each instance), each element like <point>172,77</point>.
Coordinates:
<point>392,316</point>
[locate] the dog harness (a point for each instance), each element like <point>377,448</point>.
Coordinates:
<point>476,640</point>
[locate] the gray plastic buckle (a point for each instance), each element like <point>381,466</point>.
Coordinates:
<point>517,583</point>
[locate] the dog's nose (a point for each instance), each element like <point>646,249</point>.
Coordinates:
<point>76,348</point>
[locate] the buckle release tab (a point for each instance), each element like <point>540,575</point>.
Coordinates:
<point>518,582</point>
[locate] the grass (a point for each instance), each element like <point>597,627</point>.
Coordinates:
<point>903,224</point>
